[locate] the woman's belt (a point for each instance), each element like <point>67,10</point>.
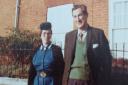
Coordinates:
<point>44,73</point>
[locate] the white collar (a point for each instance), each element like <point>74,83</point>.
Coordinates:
<point>81,31</point>
<point>45,46</point>
<point>84,32</point>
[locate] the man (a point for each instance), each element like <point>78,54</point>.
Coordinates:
<point>47,63</point>
<point>87,55</point>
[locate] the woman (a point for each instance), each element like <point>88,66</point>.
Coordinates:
<point>47,63</point>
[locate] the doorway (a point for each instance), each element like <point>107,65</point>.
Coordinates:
<point>61,19</point>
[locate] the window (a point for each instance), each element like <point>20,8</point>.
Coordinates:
<point>118,27</point>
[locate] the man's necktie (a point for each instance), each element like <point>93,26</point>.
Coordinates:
<point>80,36</point>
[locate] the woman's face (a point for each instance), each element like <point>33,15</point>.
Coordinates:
<point>46,36</point>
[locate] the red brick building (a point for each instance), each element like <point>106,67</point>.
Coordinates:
<point>33,12</point>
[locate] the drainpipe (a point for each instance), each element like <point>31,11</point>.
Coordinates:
<point>17,12</point>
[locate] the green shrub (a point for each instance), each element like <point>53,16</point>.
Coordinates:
<point>16,51</point>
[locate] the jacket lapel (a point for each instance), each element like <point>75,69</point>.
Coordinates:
<point>89,36</point>
<point>73,45</point>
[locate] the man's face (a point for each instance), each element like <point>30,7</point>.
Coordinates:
<point>46,36</point>
<point>79,18</point>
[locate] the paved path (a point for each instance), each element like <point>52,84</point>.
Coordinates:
<point>12,81</point>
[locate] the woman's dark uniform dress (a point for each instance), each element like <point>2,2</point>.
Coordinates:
<point>47,66</point>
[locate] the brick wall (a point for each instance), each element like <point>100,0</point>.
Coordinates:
<point>33,12</point>
<point>100,14</point>
<point>7,16</point>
